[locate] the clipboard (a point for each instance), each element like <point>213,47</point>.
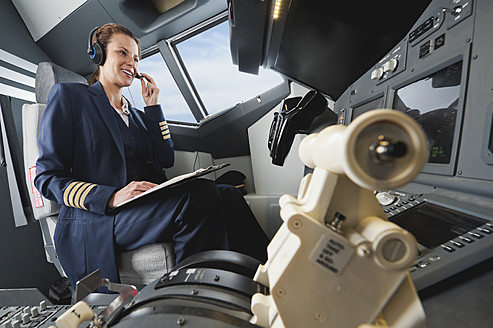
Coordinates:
<point>171,183</point>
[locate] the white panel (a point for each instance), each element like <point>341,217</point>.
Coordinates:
<point>267,211</point>
<point>17,93</point>
<point>17,61</point>
<point>40,16</point>
<point>16,77</point>
<point>271,179</point>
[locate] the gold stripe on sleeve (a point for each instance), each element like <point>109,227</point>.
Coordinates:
<point>79,193</point>
<point>84,195</point>
<point>67,191</point>
<point>166,136</point>
<point>163,123</point>
<point>73,192</point>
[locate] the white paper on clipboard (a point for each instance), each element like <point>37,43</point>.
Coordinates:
<point>175,181</point>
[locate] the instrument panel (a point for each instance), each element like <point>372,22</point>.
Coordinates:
<point>436,74</point>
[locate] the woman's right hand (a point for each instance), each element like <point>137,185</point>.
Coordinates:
<point>133,189</point>
<point>150,91</point>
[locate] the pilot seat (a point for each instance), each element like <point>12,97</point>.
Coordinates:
<point>138,267</point>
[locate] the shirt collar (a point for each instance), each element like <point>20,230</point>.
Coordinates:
<point>125,106</point>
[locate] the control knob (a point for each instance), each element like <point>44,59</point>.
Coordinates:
<point>377,73</point>
<point>26,318</point>
<point>390,65</point>
<point>385,199</point>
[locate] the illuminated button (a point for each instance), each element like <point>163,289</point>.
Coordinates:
<point>457,244</point>
<point>390,65</point>
<point>484,230</point>
<point>457,10</point>
<point>428,24</point>
<point>466,239</point>
<point>377,74</point>
<point>448,248</point>
<point>476,235</point>
<point>423,264</point>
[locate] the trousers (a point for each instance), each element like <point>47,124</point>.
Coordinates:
<point>197,215</point>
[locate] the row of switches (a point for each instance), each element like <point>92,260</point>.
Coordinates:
<point>25,316</point>
<point>388,66</point>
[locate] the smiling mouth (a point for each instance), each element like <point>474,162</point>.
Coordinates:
<point>130,74</point>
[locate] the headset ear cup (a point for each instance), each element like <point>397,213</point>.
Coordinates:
<point>97,55</point>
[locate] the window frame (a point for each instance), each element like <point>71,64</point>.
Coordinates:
<point>178,70</point>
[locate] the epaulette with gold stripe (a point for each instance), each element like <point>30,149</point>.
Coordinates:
<point>76,192</point>
<point>165,130</point>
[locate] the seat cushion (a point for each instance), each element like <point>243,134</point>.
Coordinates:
<point>145,264</point>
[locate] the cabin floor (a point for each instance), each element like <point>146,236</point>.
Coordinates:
<point>463,300</point>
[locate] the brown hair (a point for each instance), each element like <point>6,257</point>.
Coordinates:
<point>103,36</point>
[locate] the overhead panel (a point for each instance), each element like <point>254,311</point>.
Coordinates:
<point>322,46</point>
<point>53,12</point>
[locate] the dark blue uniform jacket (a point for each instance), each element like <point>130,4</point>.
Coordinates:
<point>82,163</point>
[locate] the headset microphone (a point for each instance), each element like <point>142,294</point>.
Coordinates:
<point>95,50</point>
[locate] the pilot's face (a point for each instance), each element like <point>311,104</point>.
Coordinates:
<point>122,59</point>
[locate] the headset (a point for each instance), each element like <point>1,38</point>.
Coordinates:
<point>95,50</point>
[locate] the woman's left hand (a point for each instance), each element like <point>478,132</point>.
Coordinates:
<point>150,91</point>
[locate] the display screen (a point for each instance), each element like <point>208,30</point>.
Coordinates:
<point>366,107</point>
<point>433,225</point>
<point>433,102</point>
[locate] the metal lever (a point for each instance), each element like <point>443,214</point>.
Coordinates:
<point>93,281</point>
<point>384,150</point>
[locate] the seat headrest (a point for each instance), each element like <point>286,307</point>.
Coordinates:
<point>48,74</point>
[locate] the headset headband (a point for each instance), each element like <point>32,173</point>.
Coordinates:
<point>90,49</point>
<point>95,50</point>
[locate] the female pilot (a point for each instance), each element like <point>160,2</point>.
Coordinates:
<point>98,151</point>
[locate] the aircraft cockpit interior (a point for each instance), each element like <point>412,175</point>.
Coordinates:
<point>359,134</point>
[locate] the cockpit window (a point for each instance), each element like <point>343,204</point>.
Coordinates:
<point>174,106</point>
<point>213,82</point>
<point>219,83</point>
